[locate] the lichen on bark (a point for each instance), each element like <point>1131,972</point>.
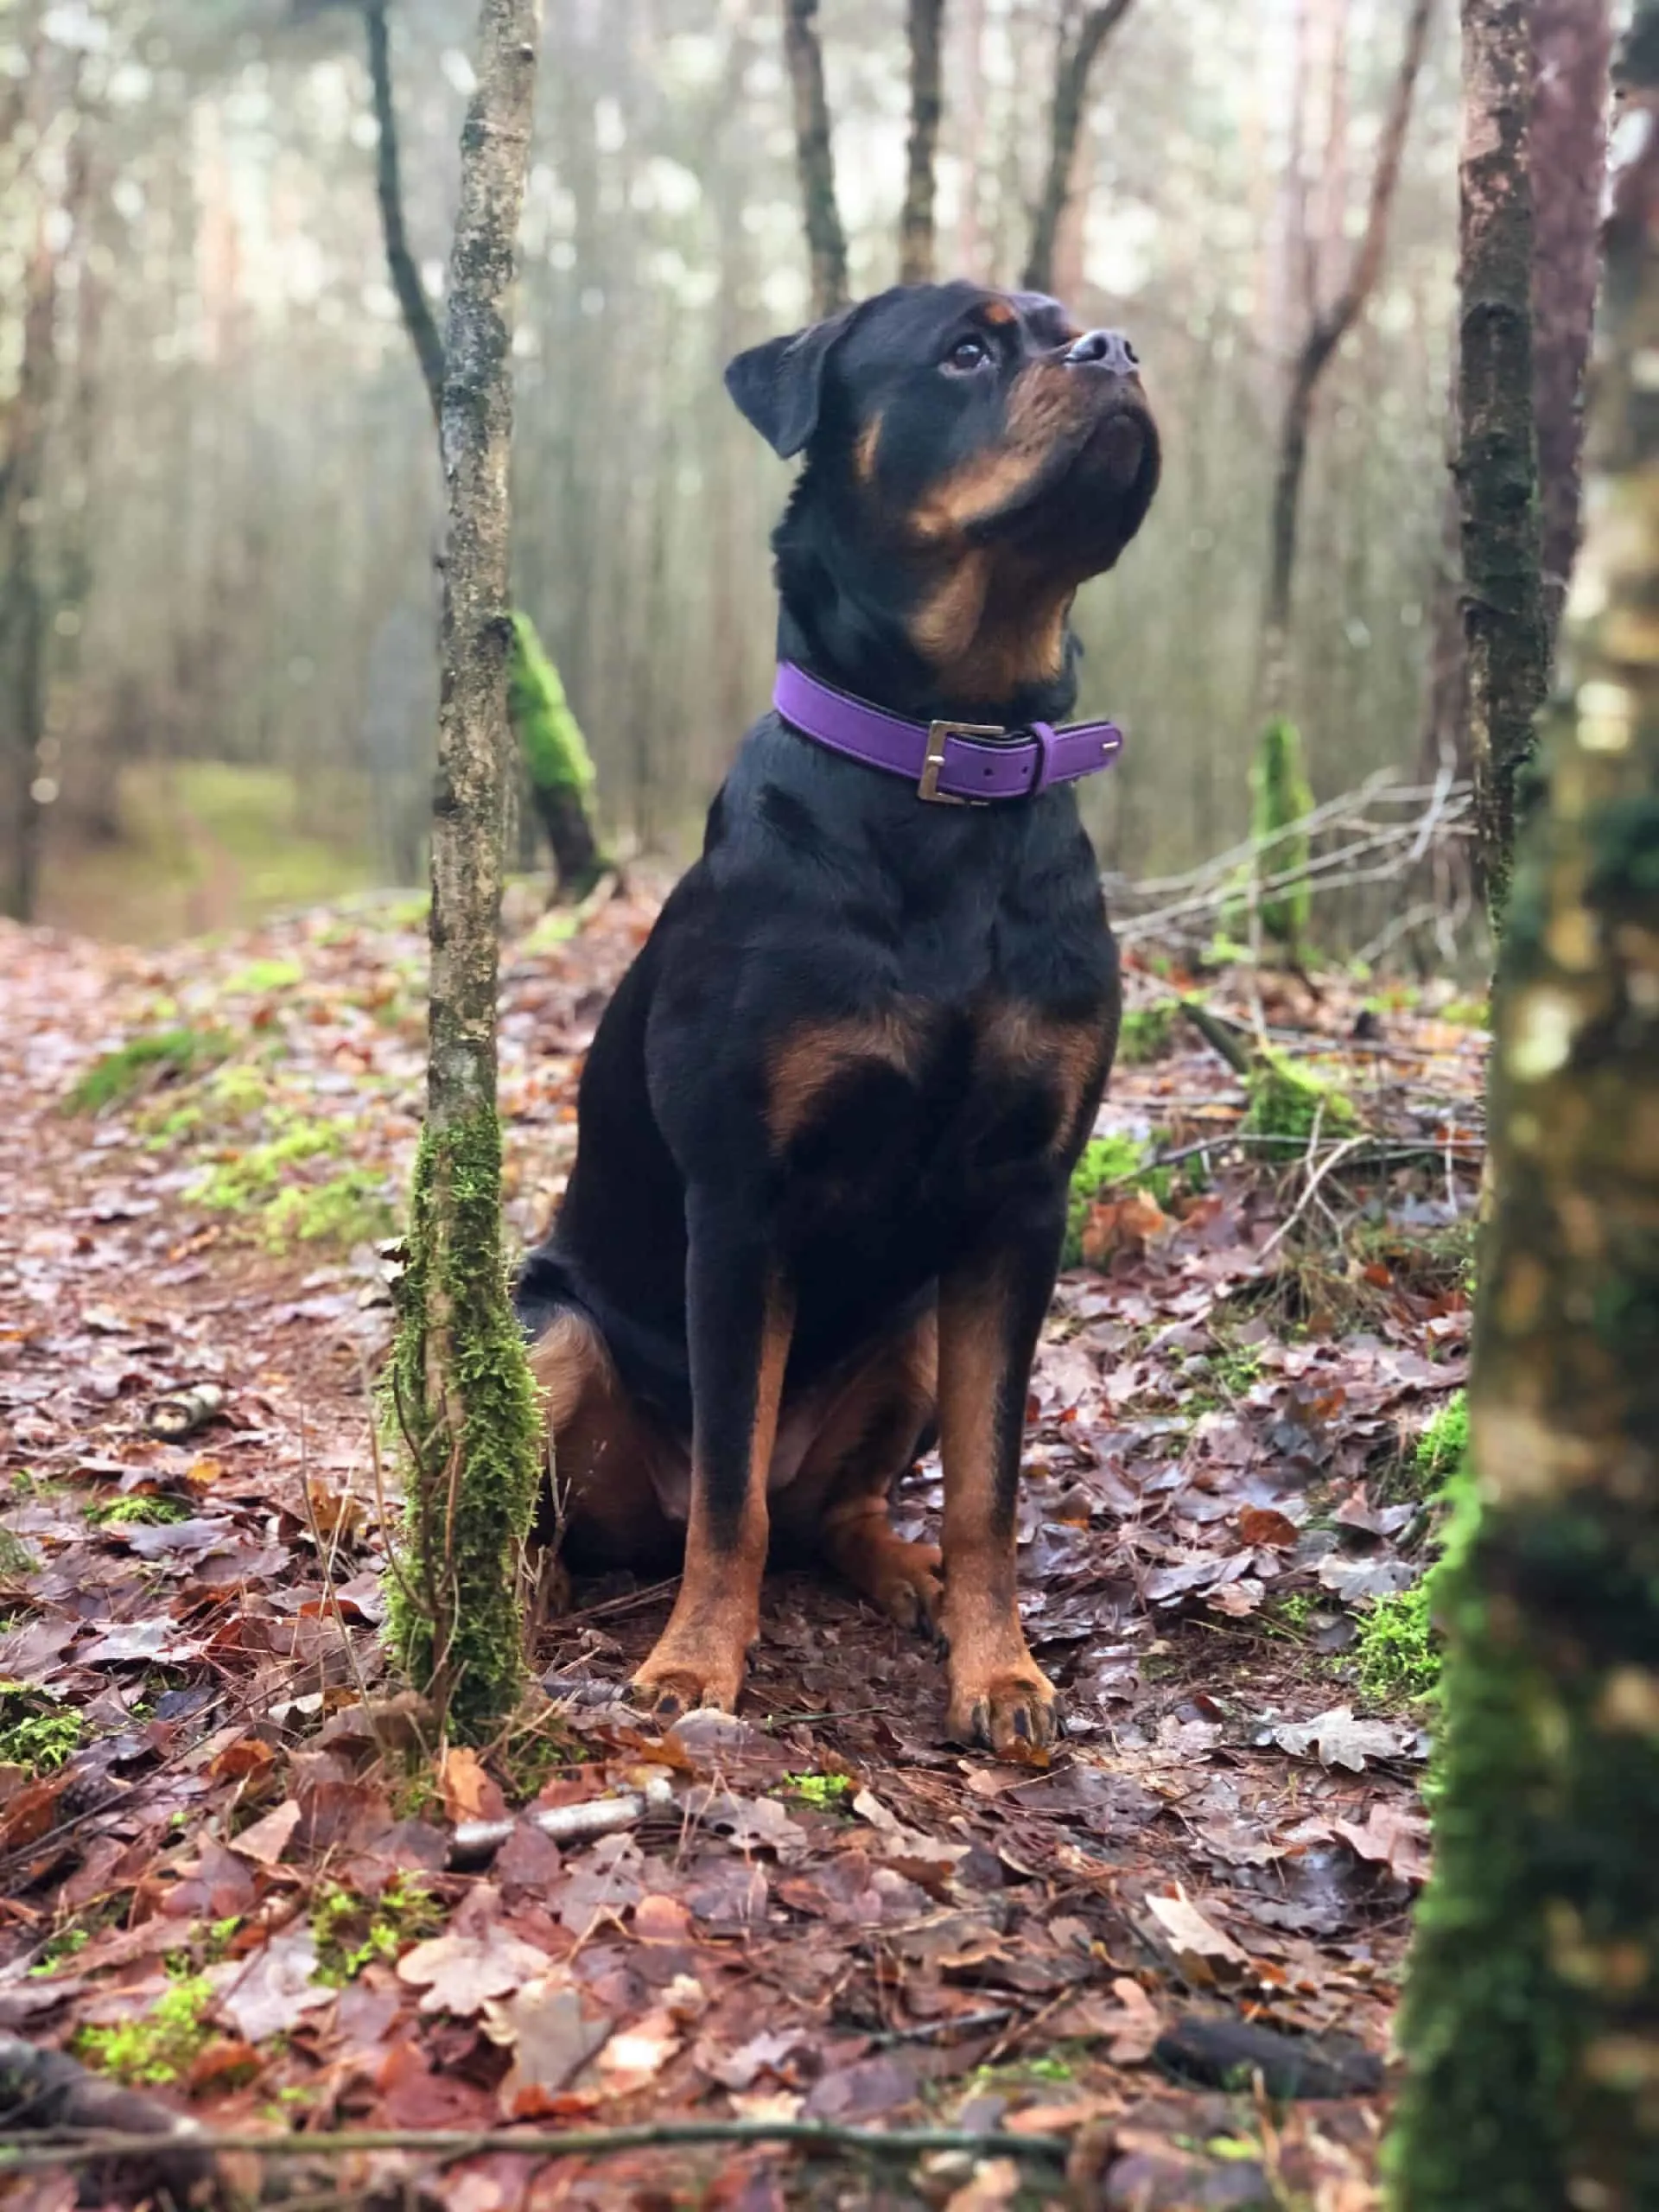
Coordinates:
<point>1531,2024</point>
<point>464,1398</point>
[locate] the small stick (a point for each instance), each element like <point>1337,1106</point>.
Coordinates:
<point>37,2153</point>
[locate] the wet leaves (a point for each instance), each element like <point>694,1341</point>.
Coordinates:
<point>820,1909</point>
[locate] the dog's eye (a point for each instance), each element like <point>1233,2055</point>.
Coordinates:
<point>967,355</point>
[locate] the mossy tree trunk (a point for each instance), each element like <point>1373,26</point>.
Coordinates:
<point>1572,40</point>
<point>1327,326</point>
<point>1497,468</point>
<point>1074,62</point>
<point>1531,2024</point>
<point>926,25</point>
<point>464,1399</point>
<point>826,241</point>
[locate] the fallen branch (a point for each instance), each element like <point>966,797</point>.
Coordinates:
<point>1219,1036</point>
<point>65,2099</point>
<point>35,2153</point>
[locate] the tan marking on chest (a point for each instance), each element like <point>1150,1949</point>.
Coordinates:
<point>1070,1055</point>
<point>804,1065</point>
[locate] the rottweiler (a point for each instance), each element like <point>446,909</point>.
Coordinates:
<point>828,1121</point>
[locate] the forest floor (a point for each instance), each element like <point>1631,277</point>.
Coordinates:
<point>229,1884</point>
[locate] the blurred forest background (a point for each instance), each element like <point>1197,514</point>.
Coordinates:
<point>221,497</point>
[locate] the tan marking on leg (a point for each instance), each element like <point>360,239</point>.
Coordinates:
<point>604,1451</point>
<point>699,1658</point>
<point>838,1502</point>
<point>999,1695</point>
<point>806,1063</point>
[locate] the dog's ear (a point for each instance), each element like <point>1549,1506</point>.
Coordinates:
<point>779,385</point>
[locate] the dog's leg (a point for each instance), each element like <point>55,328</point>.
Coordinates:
<point>990,1311</point>
<point>739,1323</point>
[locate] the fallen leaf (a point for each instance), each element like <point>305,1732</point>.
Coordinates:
<point>635,2056</point>
<point>1262,1524</point>
<point>269,1837</point>
<point>1204,1953</point>
<point>275,1990</point>
<point>1338,1739</point>
<point>550,2037</point>
<point>467,1792</point>
<point>460,1973</point>
<point>1393,1836</point>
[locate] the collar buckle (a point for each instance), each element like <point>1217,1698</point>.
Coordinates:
<point>938,734</point>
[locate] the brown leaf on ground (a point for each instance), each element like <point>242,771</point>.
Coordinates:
<point>460,1973</point>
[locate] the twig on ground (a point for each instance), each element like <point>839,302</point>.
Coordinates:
<point>36,2152</point>
<point>1219,1036</point>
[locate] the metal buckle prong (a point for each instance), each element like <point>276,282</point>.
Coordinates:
<point>937,734</point>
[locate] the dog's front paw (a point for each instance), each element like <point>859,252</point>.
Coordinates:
<point>679,1677</point>
<point>1013,1711</point>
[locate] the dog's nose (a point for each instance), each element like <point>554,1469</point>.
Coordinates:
<point>1105,349</point>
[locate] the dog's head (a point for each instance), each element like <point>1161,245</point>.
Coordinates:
<point>971,457</point>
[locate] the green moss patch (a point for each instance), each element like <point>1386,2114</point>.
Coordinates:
<point>1288,1103</point>
<point>145,1063</point>
<point>160,2047</point>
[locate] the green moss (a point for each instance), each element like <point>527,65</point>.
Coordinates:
<point>1279,798</point>
<point>144,1063</point>
<point>555,754</point>
<point>15,1557</point>
<point>35,1733</point>
<point>261,977</point>
<point>141,1510</point>
<point>1145,1033</point>
<point>1288,1103</point>
<point>351,1933</point>
<point>456,1609</point>
<point>158,2048</point>
<point>350,1208</point>
<point>1397,1651</point>
<point>826,1793</point>
<point>1108,1164</point>
<point>1468,1013</point>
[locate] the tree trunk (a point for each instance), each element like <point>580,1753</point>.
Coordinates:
<point>1326,329</point>
<point>826,242</point>
<point>916,219</point>
<point>1533,1995</point>
<point>1503,612</point>
<point>417,309</point>
<point>1074,61</point>
<point>23,604</point>
<point>462,1382</point>
<point>1571,43</point>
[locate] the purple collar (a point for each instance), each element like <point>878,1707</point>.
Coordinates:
<point>942,759</point>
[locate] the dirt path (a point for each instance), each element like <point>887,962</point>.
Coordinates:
<point>825,1912</point>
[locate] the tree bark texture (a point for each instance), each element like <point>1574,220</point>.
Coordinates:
<point>1326,329</point>
<point>1571,41</point>
<point>417,309</point>
<point>1531,2024</point>
<point>826,242</point>
<point>1074,62</point>
<point>926,19</point>
<point>22,599</point>
<point>1503,608</point>
<point>462,1388</point>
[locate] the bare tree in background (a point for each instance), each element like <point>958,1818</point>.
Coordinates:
<point>415,308</point>
<point>826,241</point>
<point>925,23</point>
<point>1572,43</point>
<point>1498,473</point>
<point>1078,49</point>
<point>464,1399</point>
<point>1326,328</point>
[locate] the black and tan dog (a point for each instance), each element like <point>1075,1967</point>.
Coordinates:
<point>828,1121</point>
